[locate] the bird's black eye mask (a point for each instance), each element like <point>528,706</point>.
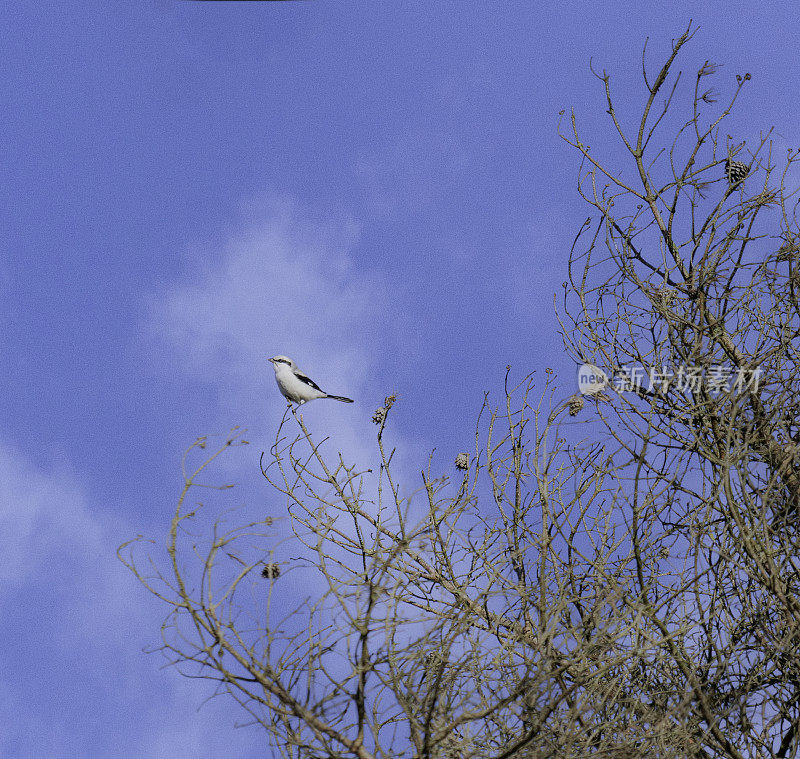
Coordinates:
<point>281,361</point>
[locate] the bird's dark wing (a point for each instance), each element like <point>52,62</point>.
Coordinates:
<point>302,377</point>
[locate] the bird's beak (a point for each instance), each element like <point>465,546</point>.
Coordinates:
<point>271,360</point>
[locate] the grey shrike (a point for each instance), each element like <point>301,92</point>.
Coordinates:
<point>295,386</point>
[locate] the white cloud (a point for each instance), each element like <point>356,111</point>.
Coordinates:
<point>42,515</point>
<point>75,682</point>
<point>280,285</point>
<point>284,283</point>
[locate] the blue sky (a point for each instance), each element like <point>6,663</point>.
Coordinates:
<point>375,188</point>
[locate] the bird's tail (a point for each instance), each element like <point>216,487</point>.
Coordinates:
<point>340,398</point>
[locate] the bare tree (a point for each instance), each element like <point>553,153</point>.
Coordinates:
<point>490,614</point>
<point>687,269</point>
<point>609,575</point>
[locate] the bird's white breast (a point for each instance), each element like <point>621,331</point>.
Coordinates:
<point>292,387</point>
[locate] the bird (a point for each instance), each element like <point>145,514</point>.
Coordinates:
<point>295,386</point>
<point>736,171</point>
